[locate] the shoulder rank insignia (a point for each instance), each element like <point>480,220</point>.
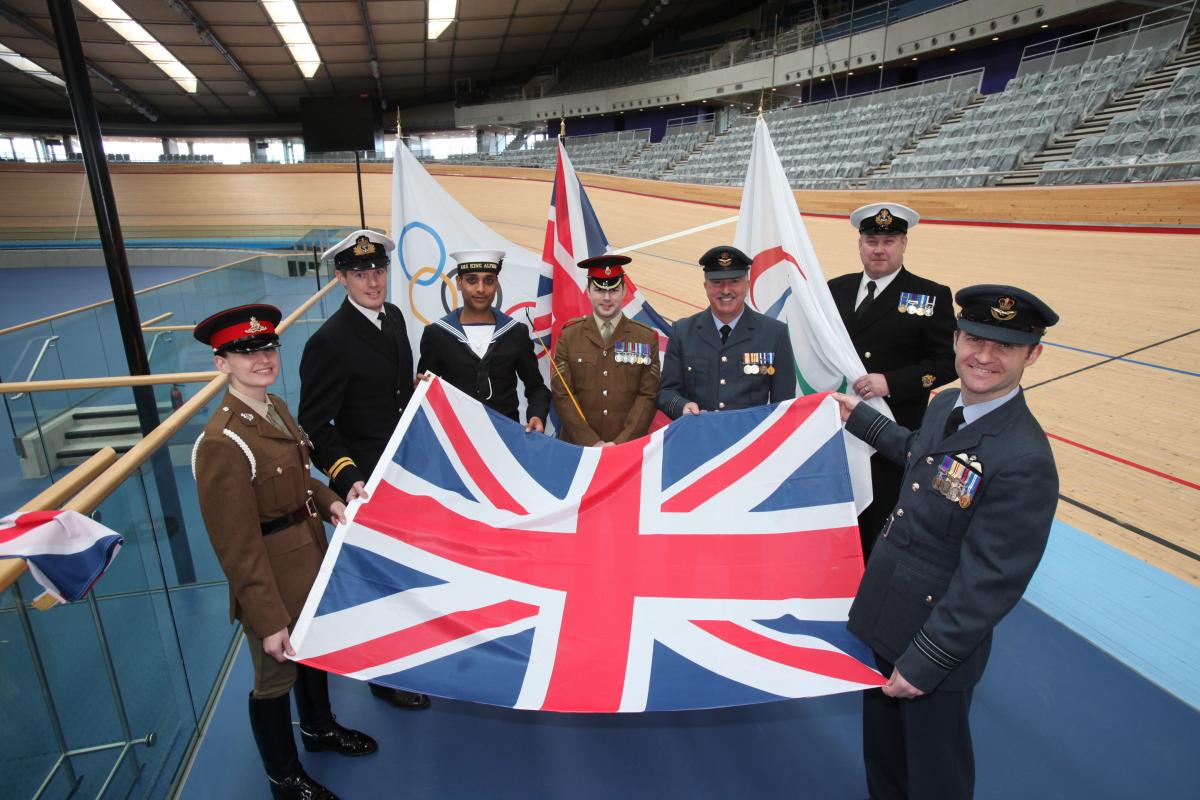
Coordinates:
<point>247,416</point>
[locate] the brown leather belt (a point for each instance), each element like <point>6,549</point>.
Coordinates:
<point>304,512</point>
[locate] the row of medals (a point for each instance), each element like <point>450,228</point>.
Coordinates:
<point>631,353</point>
<point>956,482</point>
<point>758,363</point>
<point>922,305</point>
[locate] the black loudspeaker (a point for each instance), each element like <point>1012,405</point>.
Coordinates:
<point>337,123</point>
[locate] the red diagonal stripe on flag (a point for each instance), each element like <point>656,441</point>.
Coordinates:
<point>810,659</point>
<point>414,639</point>
<point>724,475</point>
<point>473,462</point>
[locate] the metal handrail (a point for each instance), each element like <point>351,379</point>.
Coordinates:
<point>1121,28</point>
<point>37,362</point>
<point>154,343</point>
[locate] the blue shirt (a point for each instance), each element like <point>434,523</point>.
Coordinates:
<point>979,410</point>
<point>732,324</point>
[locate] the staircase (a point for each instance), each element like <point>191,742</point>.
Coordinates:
<point>884,168</point>
<point>1061,148</point>
<point>712,137</point>
<point>94,429</point>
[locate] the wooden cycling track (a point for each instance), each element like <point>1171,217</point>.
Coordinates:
<point>1117,387</point>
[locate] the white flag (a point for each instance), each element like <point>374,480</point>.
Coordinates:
<point>786,283</point>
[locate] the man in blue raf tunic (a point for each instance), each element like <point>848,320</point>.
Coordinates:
<point>356,377</point>
<point>727,356</point>
<point>901,326</point>
<point>976,504</point>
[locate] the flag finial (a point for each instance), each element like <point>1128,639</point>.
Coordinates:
<point>761,95</point>
<point>399,131</point>
<point>562,127</point>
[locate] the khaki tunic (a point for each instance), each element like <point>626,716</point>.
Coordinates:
<point>248,472</point>
<point>617,399</point>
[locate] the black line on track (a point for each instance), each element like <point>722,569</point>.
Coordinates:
<point>1109,359</point>
<point>1131,528</point>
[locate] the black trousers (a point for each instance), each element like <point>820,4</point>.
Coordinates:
<point>885,488</point>
<point>918,749</point>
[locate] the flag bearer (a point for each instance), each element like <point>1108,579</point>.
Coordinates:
<point>901,326</point>
<point>356,377</point>
<point>727,356</point>
<point>958,549</point>
<point>263,511</point>
<point>606,365</point>
<point>481,350</point>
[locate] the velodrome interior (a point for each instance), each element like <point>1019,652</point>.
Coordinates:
<point>1092,685</point>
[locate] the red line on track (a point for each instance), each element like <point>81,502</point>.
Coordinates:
<point>644,288</point>
<point>1125,461</point>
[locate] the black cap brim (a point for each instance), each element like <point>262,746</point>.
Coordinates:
<point>997,333</point>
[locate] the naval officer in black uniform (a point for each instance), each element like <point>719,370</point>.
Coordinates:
<point>901,326</point>
<point>481,350</point>
<point>727,356</point>
<point>356,376</point>
<point>976,504</point>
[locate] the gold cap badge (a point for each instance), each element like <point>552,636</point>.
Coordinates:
<point>884,218</point>
<point>256,326</point>
<point>927,381</point>
<point>1005,309</point>
<point>363,246</point>
<point>724,259</point>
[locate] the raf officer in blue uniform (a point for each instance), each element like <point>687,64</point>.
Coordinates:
<point>901,325</point>
<point>958,549</point>
<point>727,356</point>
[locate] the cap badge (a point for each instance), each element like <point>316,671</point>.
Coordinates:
<point>1006,309</point>
<point>884,218</point>
<point>927,381</point>
<point>363,246</point>
<point>256,326</point>
<point>607,271</point>
<point>724,259</point>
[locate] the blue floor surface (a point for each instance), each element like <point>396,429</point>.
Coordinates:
<point>1053,718</point>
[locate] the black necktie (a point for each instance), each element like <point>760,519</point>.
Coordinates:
<point>383,322</point>
<point>725,329</point>
<point>953,421</point>
<point>866,300</point>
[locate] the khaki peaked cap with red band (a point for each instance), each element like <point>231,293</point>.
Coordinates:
<point>244,329</point>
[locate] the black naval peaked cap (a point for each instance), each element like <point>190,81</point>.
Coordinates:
<point>242,329</point>
<point>361,249</point>
<point>724,261</point>
<point>606,271</point>
<point>1003,313</point>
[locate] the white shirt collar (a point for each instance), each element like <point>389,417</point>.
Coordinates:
<point>976,411</point>
<point>373,316</point>
<point>880,285</point>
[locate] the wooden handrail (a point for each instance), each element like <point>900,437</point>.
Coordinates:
<point>106,383</point>
<point>54,496</point>
<point>94,493</point>
<point>159,318</point>
<point>165,328</point>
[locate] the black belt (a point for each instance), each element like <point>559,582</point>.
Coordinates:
<point>304,512</point>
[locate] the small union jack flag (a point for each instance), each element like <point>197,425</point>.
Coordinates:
<point>709,564</point>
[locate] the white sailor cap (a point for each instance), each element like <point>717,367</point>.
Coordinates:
<point>478,260</point>
<point>884,218</point>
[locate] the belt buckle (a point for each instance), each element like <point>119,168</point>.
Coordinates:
<point>311,505</point>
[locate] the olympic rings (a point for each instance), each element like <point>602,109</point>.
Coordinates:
<point>416,279</point>
<point>436,272</point>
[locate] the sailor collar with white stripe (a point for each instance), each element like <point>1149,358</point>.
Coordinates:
<point>453,325</point>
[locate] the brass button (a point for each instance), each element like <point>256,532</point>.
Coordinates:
<point>928,459</point>
<point>308,466</point>
<point>604,373</point>
<point>579,360</point>
<point>604,392</point>
<point>605,412</point>
<point>310,492</point>
<point>720,405</point>
<point>908,455</point>
<point>723,359</point>
<point>928,598</point>
<point>899,512</point>
<point>279,470</point>
<point>722,381</point>
<point>867,354</point>
<point>689,369</point>
<point>916,487</point>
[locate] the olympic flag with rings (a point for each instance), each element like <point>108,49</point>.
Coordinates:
<point>428,224</point>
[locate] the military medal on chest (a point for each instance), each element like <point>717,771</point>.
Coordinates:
<point>918,304</point>
<point>956,481</point>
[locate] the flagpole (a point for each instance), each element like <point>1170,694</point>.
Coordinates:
<point>557,371</point>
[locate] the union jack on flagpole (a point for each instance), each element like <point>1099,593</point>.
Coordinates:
<point>709,564</point>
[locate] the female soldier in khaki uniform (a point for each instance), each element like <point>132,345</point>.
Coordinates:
<point>263,512</point>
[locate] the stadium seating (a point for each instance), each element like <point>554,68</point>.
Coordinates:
<point>664,154</point>
<point>1165,129</point>
<point>1018,122</point>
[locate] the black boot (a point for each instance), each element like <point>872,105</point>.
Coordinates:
<point>271,722</point>
<point>318,728</point>
<point>408,701</point>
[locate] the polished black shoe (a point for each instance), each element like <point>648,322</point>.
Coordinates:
<point>300,787</point>
<point>337,739</point>
<point>409,701</point>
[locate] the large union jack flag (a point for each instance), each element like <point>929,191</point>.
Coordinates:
<point>709,564</point>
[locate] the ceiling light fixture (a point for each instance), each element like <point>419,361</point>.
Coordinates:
<point>114,17</point>
<point>293,31</point>
<point>18,61</point>
<point>441,14</point>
